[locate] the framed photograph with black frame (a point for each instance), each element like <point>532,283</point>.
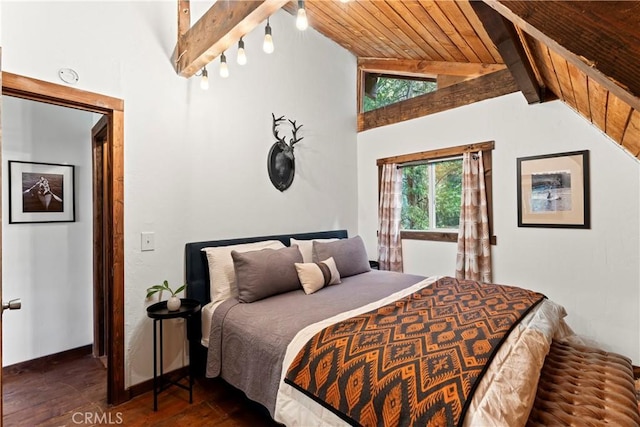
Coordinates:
<point>553,190</point>
<point>41,192</point>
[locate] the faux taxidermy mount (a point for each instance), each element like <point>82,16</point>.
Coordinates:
<point>281,161</point>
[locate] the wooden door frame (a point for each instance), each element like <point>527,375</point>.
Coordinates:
<point>101,258</point>
<point>113,108</point>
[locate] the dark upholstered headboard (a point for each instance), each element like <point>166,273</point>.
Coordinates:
<point>197,268</point>
<point>197,280</point>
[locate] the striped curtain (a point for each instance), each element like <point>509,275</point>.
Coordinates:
<point>390,205</point>
<point>473,260</point>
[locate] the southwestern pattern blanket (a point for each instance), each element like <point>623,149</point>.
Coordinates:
<point>415,361</point>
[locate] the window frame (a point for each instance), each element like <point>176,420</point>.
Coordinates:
<point>430,163</point>
<point>365,74</point>
<point>441,154</point>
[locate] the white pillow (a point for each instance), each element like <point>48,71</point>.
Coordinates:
<point>306,247</point>
<point>222,276</point>
<point>316,275</point>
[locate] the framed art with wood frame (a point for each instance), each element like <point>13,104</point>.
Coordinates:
<point>553,190</point>
<point>41,192</point>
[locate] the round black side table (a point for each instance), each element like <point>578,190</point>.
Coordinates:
<point>159,312</point>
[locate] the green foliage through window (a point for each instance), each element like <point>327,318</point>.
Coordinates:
<point>415,198</point>
<point>431,195</point>
<point>391,90</point>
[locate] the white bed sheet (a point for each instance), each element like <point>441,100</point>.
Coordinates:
<point>206,315</point>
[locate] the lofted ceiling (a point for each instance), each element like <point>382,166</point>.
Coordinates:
<point>421,30</point>
<point>586,53</point>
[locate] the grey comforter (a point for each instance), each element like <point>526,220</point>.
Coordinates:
<point>248,342</point>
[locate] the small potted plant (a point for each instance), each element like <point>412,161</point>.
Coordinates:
<point>173,303</point>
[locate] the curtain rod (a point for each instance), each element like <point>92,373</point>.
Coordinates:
<point>428,161</point>
<point>438,154</point>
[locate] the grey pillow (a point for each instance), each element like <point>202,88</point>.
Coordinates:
<point>349,254</point>
<point>260,274</point>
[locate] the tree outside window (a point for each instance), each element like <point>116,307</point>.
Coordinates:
<point>384,90</point>
<point>432,190</point>
<point>431,195</point>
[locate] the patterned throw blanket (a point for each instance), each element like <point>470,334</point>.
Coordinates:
<point>415,361</point>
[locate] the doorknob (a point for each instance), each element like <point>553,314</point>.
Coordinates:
<point>14,304</point>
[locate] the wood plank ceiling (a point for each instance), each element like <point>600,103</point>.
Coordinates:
<point>595,69</point>
<point>587,53</point>
<point>418,30</point>
<point>443,37</point>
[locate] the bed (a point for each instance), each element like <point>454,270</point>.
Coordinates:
<point>326,357</point>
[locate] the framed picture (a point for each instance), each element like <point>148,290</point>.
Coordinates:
<point>41,192</point>
<point>553,190</point>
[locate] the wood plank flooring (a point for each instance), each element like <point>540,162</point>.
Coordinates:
<point>71,391</point>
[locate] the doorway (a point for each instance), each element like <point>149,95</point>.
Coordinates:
<point>101,233</point>
<point>109,250</point>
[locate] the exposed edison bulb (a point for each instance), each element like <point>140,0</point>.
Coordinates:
<point>224,68</point>
<point>242,56</point>
<point>204,80</point>
<point>301,20</point>
<point>267,46</point>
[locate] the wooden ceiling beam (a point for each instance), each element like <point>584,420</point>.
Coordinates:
<point>184,23</point>
<point>474,90</point>
<point>600,38</point>
<point>504,35</point>
<point>218,29</point>
<point>184,18</point>
<point>422,68</point>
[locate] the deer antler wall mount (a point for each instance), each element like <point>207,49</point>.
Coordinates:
<point>281,161</point>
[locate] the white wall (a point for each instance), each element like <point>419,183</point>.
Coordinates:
<point>195,161</point>
<point>47,265</point>
<point>594,273</point>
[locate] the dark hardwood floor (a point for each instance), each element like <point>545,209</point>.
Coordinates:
<point>70,390</point>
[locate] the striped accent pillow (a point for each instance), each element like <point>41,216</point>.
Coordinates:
<point>316,275</point>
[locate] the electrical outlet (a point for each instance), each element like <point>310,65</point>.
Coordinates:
<point>147,241</point>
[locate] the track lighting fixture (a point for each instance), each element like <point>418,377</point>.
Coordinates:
<point>204,80</point>
<point>301,19</point>
<point>267,46</point>
<point>242,56</point>
<point>224,68</point>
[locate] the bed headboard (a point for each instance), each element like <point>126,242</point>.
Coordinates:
<point>197,280</point>
<point>197,267</point>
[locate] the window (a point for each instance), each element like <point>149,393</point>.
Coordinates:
<point>432,191</point>
<point>431,194</point>
<point>382,90</point>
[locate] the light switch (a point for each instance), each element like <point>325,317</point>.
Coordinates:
<point>148,241</point>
